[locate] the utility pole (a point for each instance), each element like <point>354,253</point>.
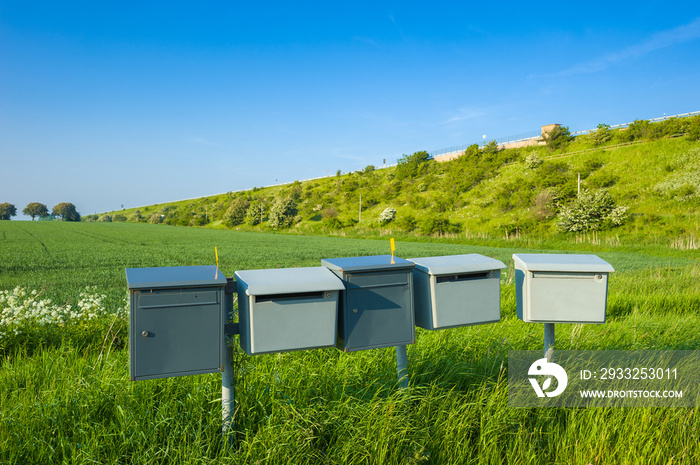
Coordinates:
<point>579,185</point>
<point>360,208</point>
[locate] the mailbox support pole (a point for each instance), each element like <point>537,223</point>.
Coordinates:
<point>228,394</point>
<point>228,388</point>
<point>401,366</point>
<point>548,340</point>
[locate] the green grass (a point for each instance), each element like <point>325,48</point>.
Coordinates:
<point>69,401</point>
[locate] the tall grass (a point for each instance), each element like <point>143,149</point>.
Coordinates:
<point>70,401</point>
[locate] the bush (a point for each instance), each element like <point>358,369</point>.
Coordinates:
<point>255,213</point>
<point>406,223</point>
<point>591,211</point>
<point>387,216</point>
<point>558,137</point>
<point>436,225</point>
<point>412,166</point>
<point>119,218</point>
<point>236,212</point>
<point>533,161</point>
<point>601,135</point>
<point>282,213</point>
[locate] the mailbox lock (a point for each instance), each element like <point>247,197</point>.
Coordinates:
<point>328,294</point>
<point>145,333</point>
<point>354,310</point>
<point>598,277</point>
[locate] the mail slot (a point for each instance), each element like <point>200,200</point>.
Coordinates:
<point>561,288</point>
<point>376,307</point>
<point>287,309</point>
<point>176,322</point>
<point>456,290</point>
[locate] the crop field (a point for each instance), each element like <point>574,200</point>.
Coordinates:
<point>65,396</point>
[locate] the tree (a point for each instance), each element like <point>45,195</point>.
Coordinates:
<point>7,210</point>
<point>236,212</point>
<point>601,135</point>
<point>282,212</point>
<point>411,166</point>
<point>255,213</point>
<point>66,211</point>
<point>35,209</point>
<point>557,137</point>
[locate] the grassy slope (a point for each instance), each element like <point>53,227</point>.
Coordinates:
<point>494,196</point>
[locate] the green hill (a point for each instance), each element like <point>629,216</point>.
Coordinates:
<point>641,184</point>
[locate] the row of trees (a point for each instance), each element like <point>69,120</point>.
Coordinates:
<point>65,211</point>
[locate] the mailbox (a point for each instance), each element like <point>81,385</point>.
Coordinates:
<point>287,309</point>
<point>561,288</point>
<point>176,323</point>
<point>376,307</point>
<point>456,290</point>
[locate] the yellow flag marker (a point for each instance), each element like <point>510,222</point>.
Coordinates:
<point>393,248</point>
<point>216,252</point>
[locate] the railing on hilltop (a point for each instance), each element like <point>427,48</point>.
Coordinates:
<point>537,134</point>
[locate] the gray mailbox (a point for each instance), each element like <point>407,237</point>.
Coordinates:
<point>287,309</point>
<point>456,290</point>
<point>176,323</point>
<point>561,288</point>
<point>376,307</point>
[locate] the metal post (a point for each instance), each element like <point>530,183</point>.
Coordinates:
<point>401,366</point>
<point>548,340</point>
<point>228,388</point>
<point>228,395</point>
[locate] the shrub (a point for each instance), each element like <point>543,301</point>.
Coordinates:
<point>119,218</point>
<point>492,148</point>
<point>601,135</point>
<point>332,223</point>
<point>693,128</point>
<point>533,161</point>
<point>436,225</point>
<point>406,223</point>
<point>558,137</point>
<point>236,212</point>
<point>388,215</point>
<point>282,213</point>
<point>591,211</point>
<point>412,166</point>
<point>255,213</point>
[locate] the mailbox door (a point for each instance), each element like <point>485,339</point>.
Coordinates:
<point>292,322</point>
<point>466,299</point>
<point>567,297</point>
<point>176,332</point>
<point>378,310</point>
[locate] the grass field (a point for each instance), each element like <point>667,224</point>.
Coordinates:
<point>65,395</point>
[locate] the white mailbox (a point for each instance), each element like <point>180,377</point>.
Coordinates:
<point>561,288</point>
<point>287,309</point>
<point>456,290</point>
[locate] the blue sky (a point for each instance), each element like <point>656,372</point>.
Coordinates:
<point>105,104</point>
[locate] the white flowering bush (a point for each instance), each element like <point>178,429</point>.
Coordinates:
<point>388,215</point>
<point>26,319</point>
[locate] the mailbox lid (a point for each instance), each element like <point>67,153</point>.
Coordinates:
<point>368,263</point>
<point>562,263</point>
<point>289,280</point>
<point>174,277</point>
<point>453,264</point>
